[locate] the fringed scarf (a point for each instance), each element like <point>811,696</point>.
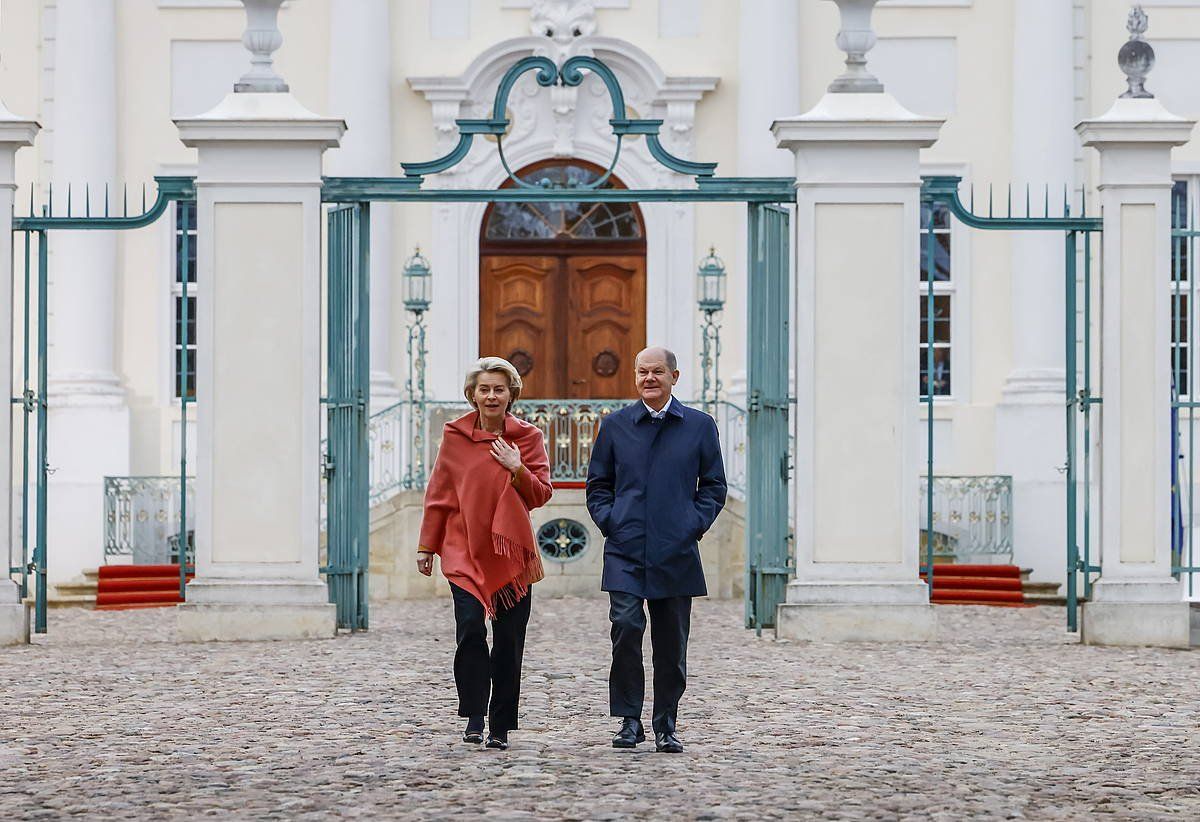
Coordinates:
<point>477,514</point>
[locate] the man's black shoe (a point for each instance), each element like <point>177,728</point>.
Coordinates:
<point>667,743</point>
<point>631,733</point>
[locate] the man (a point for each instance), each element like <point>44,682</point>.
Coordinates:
<point>655,485</point>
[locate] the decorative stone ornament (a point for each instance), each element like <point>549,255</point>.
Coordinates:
<point>856,38</point>
<point>1136,56</point>
<point>562,20</point>
<point>261,38</point>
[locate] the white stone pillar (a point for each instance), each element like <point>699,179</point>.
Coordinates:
<point>769,82</point>
<point>360,93</point>
<point>857,464</point>
<point>15,132</point>
<point>1136,601</point>
<point>259,225</point>
<point>1030,438</point>
<point>88,412</point>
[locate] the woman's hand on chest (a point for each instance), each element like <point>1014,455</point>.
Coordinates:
<point>508,456</point>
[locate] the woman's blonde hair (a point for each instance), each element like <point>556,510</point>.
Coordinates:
<point>495,365</point>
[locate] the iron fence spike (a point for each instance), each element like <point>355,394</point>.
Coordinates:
<point>87,199</point>
<point>1046,208</point>
<point>68,198</point>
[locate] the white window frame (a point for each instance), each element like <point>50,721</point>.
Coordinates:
<point>941,288</point>
<point>1187,286</point>
<point>958,290</point>
<point>176,292</point>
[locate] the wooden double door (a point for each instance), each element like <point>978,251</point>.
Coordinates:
<point>571,323</point>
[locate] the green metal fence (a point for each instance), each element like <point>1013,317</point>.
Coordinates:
<point>34,232</point>
<point>1184,403</point>
<point>1080,397</point>
<point>348,385</point>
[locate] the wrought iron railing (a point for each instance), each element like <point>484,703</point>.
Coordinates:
<point>398,461</point>
<point>141,518</point>
<point>973,513</point>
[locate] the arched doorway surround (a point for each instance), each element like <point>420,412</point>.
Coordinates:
<point>562,287</point>
<point>574,124</point>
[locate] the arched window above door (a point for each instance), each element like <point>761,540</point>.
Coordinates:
<point>563,221</point>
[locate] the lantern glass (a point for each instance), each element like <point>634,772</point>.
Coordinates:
<point>418,278</point>
<point>711,282</point>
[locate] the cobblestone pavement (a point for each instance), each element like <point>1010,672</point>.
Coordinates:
<point>1005,716</point>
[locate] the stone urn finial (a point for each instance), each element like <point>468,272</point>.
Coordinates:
<point>1136,56</point>
<point>856,38</point>
<point>262,38</point>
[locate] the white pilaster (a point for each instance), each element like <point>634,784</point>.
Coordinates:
<point>769,68</point>
<point>1029,429</point>
<point>15,132</point>
<point>88,412</point>
<point>1136,601</point>
<point>360,93</point>
<point>857,178</point>
<point>259,225</point>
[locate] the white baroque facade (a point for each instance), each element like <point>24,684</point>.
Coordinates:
<point>106,78</point>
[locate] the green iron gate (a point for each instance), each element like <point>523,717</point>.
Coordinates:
<point>1080,397</point>
<point>769,563</point>
<point>32,236</point>
<point>768,549</point>
<point>1184,269</point>
<point>348,384</point>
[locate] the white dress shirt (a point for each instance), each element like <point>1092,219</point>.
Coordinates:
<point>658,415</point>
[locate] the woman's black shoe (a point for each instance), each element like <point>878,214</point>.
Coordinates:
<point>474,731</point>
<point>498,740</point>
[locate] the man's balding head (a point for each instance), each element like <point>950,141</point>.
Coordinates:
<point>655,372</point>
<point>657,353</point>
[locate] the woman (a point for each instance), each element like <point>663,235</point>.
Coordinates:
<point>490,472</point>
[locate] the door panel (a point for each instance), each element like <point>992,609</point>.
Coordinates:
<point>607,316</point>
<point>518,320</point>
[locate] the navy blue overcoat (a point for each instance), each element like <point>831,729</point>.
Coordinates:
<point>653,488</point>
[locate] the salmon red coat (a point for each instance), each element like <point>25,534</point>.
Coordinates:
<point>477,514</point>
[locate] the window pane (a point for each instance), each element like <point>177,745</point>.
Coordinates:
<point>1180,337</point>
<point>191,344</point>
<point>941,371</point>
<point>548,221</point>
<point>941,257</point>
<point>1181,218</point>
<point>941,216</point>
<point>941,319</point>
<point>191,371</point>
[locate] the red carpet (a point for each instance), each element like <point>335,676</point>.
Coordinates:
<point>138,586</point>
<point>977,585</point>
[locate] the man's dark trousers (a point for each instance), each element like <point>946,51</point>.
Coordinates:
<point>670,622</point>
<point>478,672</point>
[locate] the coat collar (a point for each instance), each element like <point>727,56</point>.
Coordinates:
<point>641,413</point>
<point>468,426</point>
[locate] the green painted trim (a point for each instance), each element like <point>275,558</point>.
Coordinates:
<point>944,189</point>
<point>408,189</point>
<point>170,189</point>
